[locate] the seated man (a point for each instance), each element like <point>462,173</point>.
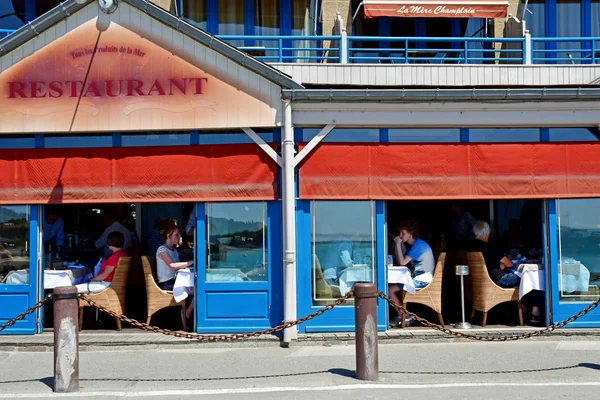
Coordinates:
<point>100,282</point>
<point>419,254</point>
<point>498,266</point>
<point>337,257</point>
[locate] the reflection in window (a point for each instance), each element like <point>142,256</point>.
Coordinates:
<point>66,141</point>
<point>14,244</point>
<point>504,135</point>
<point>343,135</point>
<point>435,135</point>
<point>231,17</point>
<point>342,247</point>
<point>237,242</point>
<point>17,142</point>
<point>574,134</point>
<point>535,19</point>
<point>579,249</point>
<point>156,139</point>
<point>194,11</point>
<point>568,24</point>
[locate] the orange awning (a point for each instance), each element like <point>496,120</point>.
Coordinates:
<point>450,171</point>
<point>436,8</point>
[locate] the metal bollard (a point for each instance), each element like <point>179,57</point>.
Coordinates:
<point>66,339</point>
<point>365,312</point>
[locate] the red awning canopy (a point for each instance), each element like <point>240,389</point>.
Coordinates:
<point>436,8</point>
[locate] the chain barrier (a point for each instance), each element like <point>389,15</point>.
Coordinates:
<point>321,311</point>
<point>501,338</point>
<point>26,313</point>
<point>215,337</point>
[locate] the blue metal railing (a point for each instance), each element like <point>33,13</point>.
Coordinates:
<point>439,50</point>
<point>566,50</point>
<point>5,32</point>
<point>288,48</point>
<point>417,50</point>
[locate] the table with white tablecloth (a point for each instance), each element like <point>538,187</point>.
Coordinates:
<point>402,275</point>
<point>573,276</point>
<point>74,275</point>
<point>353,274</point>
<point>184,282</point>
<point>532,278</point>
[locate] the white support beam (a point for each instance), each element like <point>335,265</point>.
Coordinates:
<point>263,145</point>
<point>312,144</point>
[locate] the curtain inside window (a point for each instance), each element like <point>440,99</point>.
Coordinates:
<point>231,17</point>
<point>304,18</point>
<point>568,24</point>
<point>194,12</point>
<point>535,21</point>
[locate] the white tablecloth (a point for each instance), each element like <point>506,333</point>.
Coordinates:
<point>531,280</point>
<point>52,278</point>
<point>353,274</point>
<point>183,283</point>
<point>66,277</point>
<point>402,275</point>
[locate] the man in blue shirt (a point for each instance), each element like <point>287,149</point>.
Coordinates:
<point>54,230</point>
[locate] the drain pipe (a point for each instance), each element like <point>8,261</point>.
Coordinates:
<point>289,225</point>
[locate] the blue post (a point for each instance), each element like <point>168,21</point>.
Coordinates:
<point>280,49</point>
<point>466,51</point>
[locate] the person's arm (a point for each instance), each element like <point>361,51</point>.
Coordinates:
<point>105,274</point>
<point>505,262</point>
<point>174,265</point>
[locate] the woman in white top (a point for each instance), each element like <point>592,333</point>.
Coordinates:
<point>167,262</point>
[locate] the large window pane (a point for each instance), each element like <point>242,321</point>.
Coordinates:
<point>596,20</point>
<point>504,135</point>
<point>342,247</point>
<point>156,139</point>
<point>68,141</point>
<point>14,244</point>
<point>579,249</point>
<point>194,11</point>
<point>237,242</point>
<point>535,19</point>
<point>17,142</point>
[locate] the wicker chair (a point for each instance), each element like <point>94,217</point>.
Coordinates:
<point>156,298</point>
<point>323,289</point>
<point>486,294</point>
<point>113,297</point>
<point>430,295</point>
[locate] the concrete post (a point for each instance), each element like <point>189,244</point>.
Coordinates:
<point>66,339</point>
<point>365,312</point>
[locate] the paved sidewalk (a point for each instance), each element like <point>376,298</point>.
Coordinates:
<point>131,338</point>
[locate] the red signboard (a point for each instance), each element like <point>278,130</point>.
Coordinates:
<point>436,9</point>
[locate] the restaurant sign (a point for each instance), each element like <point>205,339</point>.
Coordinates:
<point>118,81</point>
<point>433,8</point>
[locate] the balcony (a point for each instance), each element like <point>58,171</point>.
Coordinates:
<point>5,32</point>
<point>419,50</point>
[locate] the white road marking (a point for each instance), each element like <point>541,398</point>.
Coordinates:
<point>254,390</point>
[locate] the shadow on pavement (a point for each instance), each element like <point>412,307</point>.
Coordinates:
<point>516,371</point>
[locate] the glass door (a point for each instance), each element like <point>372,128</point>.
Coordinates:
<point>574,226</point>
<point>19,267</point>
<point>340,243</point>
<point>240,282</point>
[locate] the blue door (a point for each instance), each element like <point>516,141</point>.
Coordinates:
<point>339,243</point>
<point>18,266</point>
<point>574,244</point>
<point>239,276</point>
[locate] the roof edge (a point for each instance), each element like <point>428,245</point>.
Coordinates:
<point>441,95</point>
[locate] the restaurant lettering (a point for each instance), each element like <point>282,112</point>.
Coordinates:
<point>105,88</point>
<point>439,10</point>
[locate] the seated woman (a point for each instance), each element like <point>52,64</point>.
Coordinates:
<point>419,254</point>
<point>167,262</point>
<point>108,267</point>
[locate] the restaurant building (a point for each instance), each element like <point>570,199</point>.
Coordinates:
<point>287,127</point>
